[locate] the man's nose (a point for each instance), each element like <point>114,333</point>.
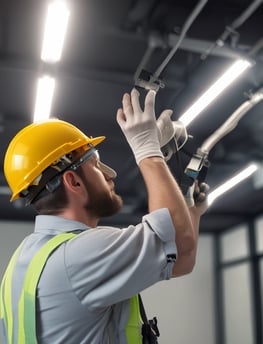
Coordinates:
<point>107,170</point>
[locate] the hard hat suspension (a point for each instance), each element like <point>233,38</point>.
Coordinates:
<point>50,179</point>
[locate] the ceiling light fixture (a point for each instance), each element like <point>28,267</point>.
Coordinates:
<point>45,91</point>
<point>55,31</point>
<point>219,86</point>
<point>247,172</point>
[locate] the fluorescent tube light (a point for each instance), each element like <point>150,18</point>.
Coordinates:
<point>219,86</point>
<point>247,172</point>
<point>55,31</point>
<point>45,91</point>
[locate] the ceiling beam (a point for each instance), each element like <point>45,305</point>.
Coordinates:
<point>202,46</point>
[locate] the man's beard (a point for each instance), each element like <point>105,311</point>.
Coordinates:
<point>103,204</point>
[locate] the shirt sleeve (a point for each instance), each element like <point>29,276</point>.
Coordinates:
<point>107,265</point>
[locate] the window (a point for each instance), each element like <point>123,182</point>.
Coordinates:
<point>259,234</point>
<point>238,315</point>
<point>234,244</point>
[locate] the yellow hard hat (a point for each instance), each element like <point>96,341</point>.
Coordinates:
<point>38,146</point>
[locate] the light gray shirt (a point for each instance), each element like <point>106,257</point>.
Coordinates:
<point>84,290</point>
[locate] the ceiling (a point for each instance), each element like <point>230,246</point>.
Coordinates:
<point>108,43</point>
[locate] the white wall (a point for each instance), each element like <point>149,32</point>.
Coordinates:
<point>11,234</point>
<point>239,313</point>
<point>184,306</point>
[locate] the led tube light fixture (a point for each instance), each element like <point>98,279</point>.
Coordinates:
<point>55,31</point>
<point>247,172</point>
<point>218,87</point>
<point>45,91</point>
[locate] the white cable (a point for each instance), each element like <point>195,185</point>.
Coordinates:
<point>185,28</point>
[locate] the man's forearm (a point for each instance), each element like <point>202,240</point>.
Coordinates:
<point>164,192</point>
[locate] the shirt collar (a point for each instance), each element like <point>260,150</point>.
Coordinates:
<point>50,224</point>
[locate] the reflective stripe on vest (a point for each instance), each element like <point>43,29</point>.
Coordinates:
<point>27,307</point>
<point>6,297</point>
<point>134,325</point>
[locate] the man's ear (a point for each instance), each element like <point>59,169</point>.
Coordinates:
<point>72,181</point>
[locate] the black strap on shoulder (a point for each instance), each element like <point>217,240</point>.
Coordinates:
<point>150,330</point>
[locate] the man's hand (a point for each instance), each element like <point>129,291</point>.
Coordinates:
<point>138,126</point>
<point>196,196</point>
<point>169,129</point>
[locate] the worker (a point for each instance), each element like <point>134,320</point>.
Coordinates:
<point>73,281</point>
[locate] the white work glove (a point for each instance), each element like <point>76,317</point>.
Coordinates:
<point>189,196</point>
<point>196,194</point>
<point>138,126</point>
<point>170,130</point>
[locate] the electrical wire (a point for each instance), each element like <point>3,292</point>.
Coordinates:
<point>179,163</point>
<point>184,141</point>
<point>185,28</point>
<point>230,29</point>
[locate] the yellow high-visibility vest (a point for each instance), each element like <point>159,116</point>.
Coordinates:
<point>27,306</point>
